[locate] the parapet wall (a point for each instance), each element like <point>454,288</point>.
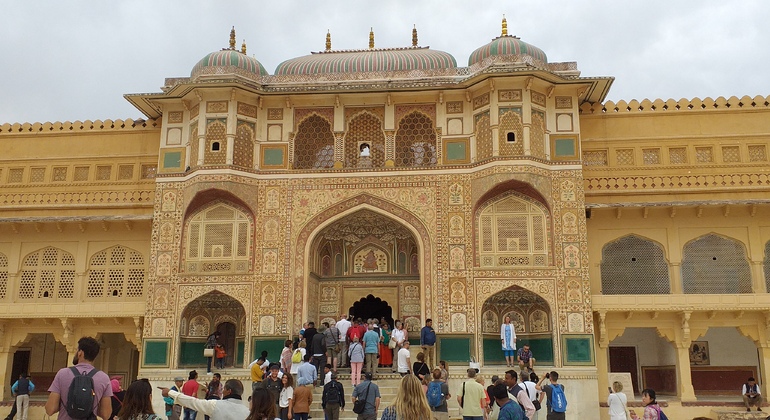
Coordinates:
<point>671,105</point>
<point>79,126</point>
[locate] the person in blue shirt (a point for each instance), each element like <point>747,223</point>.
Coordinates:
<point>371,350</point>
<point>428,343</point>
<point>21,389</point>
<point>509,409</point>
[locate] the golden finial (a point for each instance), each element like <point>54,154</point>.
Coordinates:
<point>243,47</point>
<point>371,38</point>
<point>414,36</point>
<point>328,40</point>
<point>505,27</point>
<point>232,38</point>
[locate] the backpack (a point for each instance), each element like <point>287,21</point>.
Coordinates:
<point>81,395</point>
<point>296,357</point>
<point>434,395</point>
<point>661,414</point>
<point>332,394</point>
<point>558,400</point>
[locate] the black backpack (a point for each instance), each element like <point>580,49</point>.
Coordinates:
<point>332,394</point>
<point>81,395</point>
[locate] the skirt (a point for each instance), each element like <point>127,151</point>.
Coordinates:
<point>386,355</point>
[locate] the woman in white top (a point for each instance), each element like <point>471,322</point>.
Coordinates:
<point>302,351</point>
<point>399,336</point>
<point>617,402</point>
<point>286,398</point>
<point>508,338</point>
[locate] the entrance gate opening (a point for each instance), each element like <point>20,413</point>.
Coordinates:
<point>372,307</point>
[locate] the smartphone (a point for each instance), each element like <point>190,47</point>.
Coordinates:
<point>610,389</point>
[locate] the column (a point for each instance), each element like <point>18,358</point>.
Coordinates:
<point>764,368</point>
<point>684,376</point>
<point>675,277</point>
<point>6,361</point>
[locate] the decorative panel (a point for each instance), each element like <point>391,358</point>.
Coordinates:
<point>509,95</point>
<point>510,122</point>
<point>364,142</point>
<point>172,160</point>
<point>704,154</point>
<point>595,158</point>
<point>634,265</point>
<point>758,153</point>
<point>731,154</point>
<point>578,349</point>
<point>651,156</point>
<point>677,155</point>
<point>483,135</point>
<point>416,141</point>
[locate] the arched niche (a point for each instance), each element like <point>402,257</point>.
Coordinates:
<point>634,265</point>
<point>213,311</point>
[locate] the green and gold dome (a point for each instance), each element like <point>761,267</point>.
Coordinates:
<point>229,61</point>
<point>507,46</point>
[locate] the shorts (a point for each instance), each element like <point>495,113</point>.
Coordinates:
<point>509,353</point>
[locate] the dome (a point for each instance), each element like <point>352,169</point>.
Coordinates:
<point>228,61</point>
<point>372,60</point>
<point>506,45</point>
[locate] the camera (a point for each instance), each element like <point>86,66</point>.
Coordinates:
<point>547,376</point>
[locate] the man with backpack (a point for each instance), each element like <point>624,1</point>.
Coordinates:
<point>557,402</point>
<point>438,394</point>
<point>333,399</point>
<point>81,391</point>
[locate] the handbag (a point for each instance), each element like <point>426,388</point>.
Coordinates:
<point>208,352</point>
<point>392,343</point>
<point>536,403</point>
<point>474,364</point>
<point>360,405</point>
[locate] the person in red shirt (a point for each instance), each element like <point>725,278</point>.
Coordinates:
<point>191,388</point>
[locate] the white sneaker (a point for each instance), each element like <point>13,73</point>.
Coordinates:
<point>209,373</point>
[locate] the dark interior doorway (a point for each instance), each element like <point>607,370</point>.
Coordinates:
<point>20,364</point>
<point>623,359</point>
<point>227,339</point>
<point>372,307</point>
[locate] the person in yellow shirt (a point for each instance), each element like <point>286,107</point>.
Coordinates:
<point>257,374</point>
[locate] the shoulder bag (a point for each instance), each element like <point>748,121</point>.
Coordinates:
<point>360,405</point>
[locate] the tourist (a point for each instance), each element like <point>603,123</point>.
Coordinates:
<point>440,412</point>
<point>410,402</point>
<point>651,408</point>
<point>509,409</point>
<point>525,359</point>
<point>444,370</point>
<point>472,399</point>
<point>386,356</point>
<point>303,398</point>
<point>371,350</point>
<point>428,342</point>
<point>21,390</point>
<point>751,395</point>
<point>420,368</point>
<point>318,346</point>
<point>553,411</point>
<point>342,326</point>
<point>327,374</point>
<point>617,402</point>
<point>332,337</point>
<point>257,374</point>
<point>286,354</point>
<point>307,371</point>
<point>370,392</point>
<point>333,398</point>
<point>404,359</point>
<point>356,357</point>
<point>308,335</point>
<point>118,394</point>
<point>286,398</point>
<point>508,338</point>
<point>262,406</point>
<point>296,362</point>
<point>137,403</point>
<point>399,334</point>
<point>191,388</point>
<point>273,383</point>
<point>229,407</point>
<point>220,354</point>
<point>211,343</point>
<point>85,354</point>
<point>530,386</point>
<point>519,393</point>
<point>174,411</point>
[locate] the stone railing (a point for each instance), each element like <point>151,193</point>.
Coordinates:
<point>672,105</point>
<point>87,125</point>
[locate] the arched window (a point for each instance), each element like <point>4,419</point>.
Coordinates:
<point>314,144</point>
<point>3,275</point>
<point>713,264</point>
<point>416,141</point>
<point>116,272</point>
<point>366,129</point>
<point>766,265</point>
<point>634,266</point>
<point>46,274</point>
<point>512,231</point>
<point>218,239</point>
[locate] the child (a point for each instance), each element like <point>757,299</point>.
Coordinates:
<point>220,354</point>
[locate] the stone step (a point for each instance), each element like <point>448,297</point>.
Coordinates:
<point>737,415</point>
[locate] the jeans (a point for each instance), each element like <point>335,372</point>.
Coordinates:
<point>190,414</point>
<point>300,416</point>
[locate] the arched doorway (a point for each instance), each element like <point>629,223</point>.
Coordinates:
<point>366,264</point>
<point>532,320</point>
<point>214,311</point>
<point>372,307</point>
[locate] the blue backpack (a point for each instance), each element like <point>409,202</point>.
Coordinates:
<point>435,397</point>
<point>558,400</point>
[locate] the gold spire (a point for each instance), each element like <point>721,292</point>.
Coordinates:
<point>414,36</point>
<point>328,40</point>
<point>505,27</point>
<point>243,47</point>
<point>232,38</point>
<point>371,38</point>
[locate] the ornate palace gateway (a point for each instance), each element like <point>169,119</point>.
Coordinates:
<point>390,182</point>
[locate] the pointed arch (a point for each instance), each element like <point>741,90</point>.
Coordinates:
<point>117,272</point>
<point>215,152</point>
<point>634,265</point>
<point>218,238</point>
<point>715,264</point>
<point>48,273</point>
<point>416,141</point>
<point>314,143</point>
<point>364,127</point>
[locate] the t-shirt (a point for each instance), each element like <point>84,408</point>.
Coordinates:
<point>371,342</point>
<point>403,360</point>
<point>342,326</point>
<point>287,393</point>
<point>617,402</point>
<point>360,391</point>
<point>524,356</point>
<point>307,371</point>
<point>328,377</point>
<point>63,379</point>
<point>444,394</point>
<point>256,373</point>
<point>190,388</point>
<point>474,393</point>
<point>511,411</point>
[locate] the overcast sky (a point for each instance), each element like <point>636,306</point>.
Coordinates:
<point>73,60</point>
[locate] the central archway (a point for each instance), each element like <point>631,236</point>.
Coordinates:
<point>372,307</point>
<point>213,311</point>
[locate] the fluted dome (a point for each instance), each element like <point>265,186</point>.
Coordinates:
<point>228,61</point>
<point>506,45</point>
<point>372,60</point>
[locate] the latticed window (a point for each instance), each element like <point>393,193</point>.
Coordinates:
<point>243,155</point>
<point>194,144</point>
<point>483,135</point>
<point>713,264</point>
<point>767,266</point>
<point>537,134</point>
<point>595,158</point>
<point>651,156</point>
<point>314,144</point>
<point>512,231</point>
<point>47,273</point>
<point>218,239</point>
<point>365,129</point>
<point>510,122</point>
<point>634,266</point>
<point>216,142</point>
<point>416,141</point>
<point>116,272</point>
<point>3,275</point>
